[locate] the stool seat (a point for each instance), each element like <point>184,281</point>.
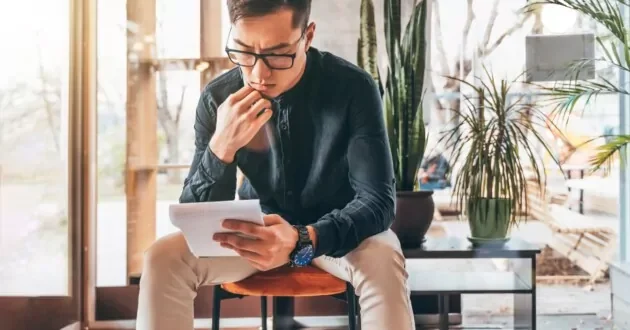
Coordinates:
<point>287,281</point>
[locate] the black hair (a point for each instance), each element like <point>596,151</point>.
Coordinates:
<point>238,9</point>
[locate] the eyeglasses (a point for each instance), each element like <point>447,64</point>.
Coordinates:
<point>249,59</point>
<point>273,61</point>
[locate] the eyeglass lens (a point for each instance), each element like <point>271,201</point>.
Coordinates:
<point>275,62</point>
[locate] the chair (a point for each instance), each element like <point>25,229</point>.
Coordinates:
<point>588,243</point>
<point>287,282</point>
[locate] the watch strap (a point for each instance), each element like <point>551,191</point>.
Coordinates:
<point>303,240</point>
<point>303,237</point>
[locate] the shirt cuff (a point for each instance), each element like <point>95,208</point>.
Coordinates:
<point>212,166</point>
<point>325,231</point>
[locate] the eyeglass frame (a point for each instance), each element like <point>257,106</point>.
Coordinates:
<point>263,57</point>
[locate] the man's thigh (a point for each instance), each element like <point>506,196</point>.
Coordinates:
<point>171,255</point>
<point>365,258</point>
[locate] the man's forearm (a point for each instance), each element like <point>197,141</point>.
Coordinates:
<point>211,177</point>
<point>220,149</point>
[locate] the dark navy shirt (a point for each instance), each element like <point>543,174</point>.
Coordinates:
<point>323,159</point>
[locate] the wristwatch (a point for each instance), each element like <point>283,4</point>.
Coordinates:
<point>303,253</point>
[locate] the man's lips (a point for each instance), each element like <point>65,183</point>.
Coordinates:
<point>262,87</point>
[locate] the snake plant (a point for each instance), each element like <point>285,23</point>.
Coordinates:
<point>404,87</point>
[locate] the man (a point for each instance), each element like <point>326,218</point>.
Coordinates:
<point>306,129</point>
<point>432,174</point>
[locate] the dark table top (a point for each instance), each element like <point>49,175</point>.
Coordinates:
<point>460,247</point>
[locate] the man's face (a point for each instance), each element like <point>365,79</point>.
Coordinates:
<point>271,34</point>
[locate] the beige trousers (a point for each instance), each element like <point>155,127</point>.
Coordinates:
<point>172,275</point>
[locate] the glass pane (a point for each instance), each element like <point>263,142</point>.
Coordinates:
<point>177,92</point>
<point>177,28</point>
<point>111,135</point>
<point>33,148</point>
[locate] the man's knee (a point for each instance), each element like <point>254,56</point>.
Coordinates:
<point>166,254</point>
<point>379,256</point>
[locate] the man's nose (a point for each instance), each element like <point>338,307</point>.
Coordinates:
<point>261,70</point>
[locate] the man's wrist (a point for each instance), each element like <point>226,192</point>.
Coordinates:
<point>312,235</point>
<point>219,149</point>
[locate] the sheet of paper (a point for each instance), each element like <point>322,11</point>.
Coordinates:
<point>199,221</point>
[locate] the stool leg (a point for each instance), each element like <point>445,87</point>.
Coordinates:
<point>263,312</point>
<point>352,308</point>
<point>217,295</point>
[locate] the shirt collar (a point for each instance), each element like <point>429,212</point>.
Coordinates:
<point>297,91</point>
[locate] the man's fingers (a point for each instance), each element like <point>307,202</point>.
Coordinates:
<point>244,227</point>
<point>248,101</point>
<point>240,94</point>
<point>252,256</point>
<point>255,259</point>
<point>238,242</point>
<point>258,107</point>
<point>257,123</point>
<point>273,219</point>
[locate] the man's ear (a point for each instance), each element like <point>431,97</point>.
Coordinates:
<point>309,34</point>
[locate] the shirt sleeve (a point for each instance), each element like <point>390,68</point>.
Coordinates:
<point>209,178</point>
<point>371,175</point>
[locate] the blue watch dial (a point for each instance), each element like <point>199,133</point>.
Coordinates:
<point>304,256</point>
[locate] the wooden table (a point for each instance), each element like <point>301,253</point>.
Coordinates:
<point>520,281</point>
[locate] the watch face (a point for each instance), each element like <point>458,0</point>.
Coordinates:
<point>304,256</point>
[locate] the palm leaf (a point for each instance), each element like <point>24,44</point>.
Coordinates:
<point>606,152</point>
<point>616,53</point>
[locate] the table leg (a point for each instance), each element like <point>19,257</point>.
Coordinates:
<point>581,201</point>
<point>443,311</point>
<point>283,313</point>
<point>525,311</point>
<point>525,303</point>
<point>581,206</point>
<point>569,198</point>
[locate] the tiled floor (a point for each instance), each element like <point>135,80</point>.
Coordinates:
<point>545,322</point>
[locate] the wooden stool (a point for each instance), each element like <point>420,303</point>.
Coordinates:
<point>286,282</point>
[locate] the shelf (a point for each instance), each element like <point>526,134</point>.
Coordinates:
<point>435,282</point>
<point>457,247</point>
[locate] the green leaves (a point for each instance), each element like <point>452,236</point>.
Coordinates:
<point>405,89</point>
<point>404,85</point>
<point>606,153</point>
<point>367,46</point>
<point>392,29</point>
<point>496,143</point>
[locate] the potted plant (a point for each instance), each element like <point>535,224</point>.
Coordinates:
<point>496,146</point>
<point>403,109</point>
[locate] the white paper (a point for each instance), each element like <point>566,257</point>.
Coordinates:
<point>200,221</point>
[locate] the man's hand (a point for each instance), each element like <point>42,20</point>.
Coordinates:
<point>239,118</point>
<point>269,246</point>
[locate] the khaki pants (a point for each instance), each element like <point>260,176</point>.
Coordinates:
<point>172,275</point>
